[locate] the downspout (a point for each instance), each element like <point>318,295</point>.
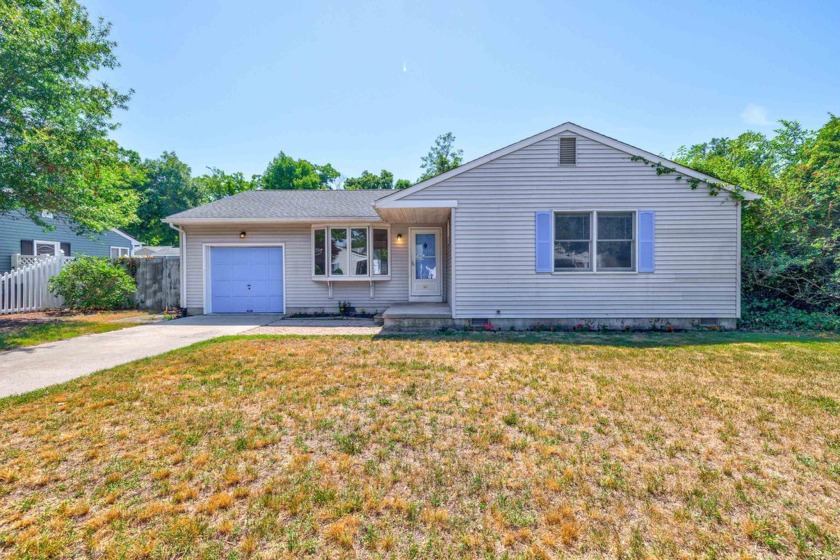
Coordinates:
<point>182,245</point>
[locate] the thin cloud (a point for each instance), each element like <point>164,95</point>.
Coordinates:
<point>755,115</point>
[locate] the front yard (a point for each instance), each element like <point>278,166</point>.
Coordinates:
<point>488,445</point>
<point>30,329</point>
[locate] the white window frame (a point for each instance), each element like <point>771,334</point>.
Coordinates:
<point>56,244</point>
<point>593,232</point>
<point>554,240</point>
<point>120,251</point>
<point>328,276</point>
<point>634,264</point>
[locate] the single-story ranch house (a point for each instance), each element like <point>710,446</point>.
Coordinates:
<point>563,228</point>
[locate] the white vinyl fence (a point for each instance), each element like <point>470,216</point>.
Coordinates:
<point>27,288</point>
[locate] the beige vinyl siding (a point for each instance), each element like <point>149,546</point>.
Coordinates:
<point>301,290</point>
<point>696,243</point>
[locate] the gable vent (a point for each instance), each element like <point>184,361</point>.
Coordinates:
<point>568,151</point>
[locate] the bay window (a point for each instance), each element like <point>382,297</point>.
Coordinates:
<point>348,253</point>
<point>338,252</point>
<point>319,244</point>
<point>380,252</point>
<point>609,236</point>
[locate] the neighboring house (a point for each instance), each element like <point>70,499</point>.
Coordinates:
<point>157,251</point>
<point>22,240</point>
<point>565,227</point>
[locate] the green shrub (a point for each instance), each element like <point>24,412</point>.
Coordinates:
<point>774,314</point>
<point>89,284</point>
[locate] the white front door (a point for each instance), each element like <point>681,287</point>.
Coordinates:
<point>426,272</point>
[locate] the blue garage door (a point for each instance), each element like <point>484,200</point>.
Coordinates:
<point>246,279</point>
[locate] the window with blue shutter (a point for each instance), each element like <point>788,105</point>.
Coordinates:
<point>543,245</point>
<point>647,226</point>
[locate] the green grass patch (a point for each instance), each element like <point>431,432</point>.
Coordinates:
<point>50,332</point>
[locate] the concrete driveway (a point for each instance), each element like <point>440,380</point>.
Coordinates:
<point>27,369</point>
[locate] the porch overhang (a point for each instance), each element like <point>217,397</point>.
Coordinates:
<point>415,211</point>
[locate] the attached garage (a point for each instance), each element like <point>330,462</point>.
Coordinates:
<point>245,280</point>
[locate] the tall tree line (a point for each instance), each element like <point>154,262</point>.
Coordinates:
<point>165,185</point>
<point>791,237</point>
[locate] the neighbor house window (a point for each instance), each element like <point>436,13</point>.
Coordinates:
<point>610,236</point>
<point>355,252</point>
<point>117,252</point>
<point>47,248</point>
<point>616,241</point>
<point>573,241</point>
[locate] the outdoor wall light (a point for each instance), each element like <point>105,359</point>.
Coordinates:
<point>399,237</point>
<point>242,235</point>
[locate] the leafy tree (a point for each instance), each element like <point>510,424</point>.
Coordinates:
<point>218,184</point>
<point>441,157</point>
<point>370,181</point>
<point>54,119</point>
<point>791,237</point>
<point>402,184</point>
<point>285,172</point>
<point>165,189</point>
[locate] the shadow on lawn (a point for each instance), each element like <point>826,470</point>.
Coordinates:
<point>619,339</point>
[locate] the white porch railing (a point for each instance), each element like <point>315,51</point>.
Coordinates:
<point>26,288</point>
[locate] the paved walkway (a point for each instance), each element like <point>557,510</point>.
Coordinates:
<point>35,367</point>
<point>319,327</point>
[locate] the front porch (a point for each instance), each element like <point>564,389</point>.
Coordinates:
<point>417,315</point>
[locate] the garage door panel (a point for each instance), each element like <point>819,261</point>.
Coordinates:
<point>246,279</point>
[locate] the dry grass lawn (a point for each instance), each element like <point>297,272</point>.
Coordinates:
<point>487,445</point>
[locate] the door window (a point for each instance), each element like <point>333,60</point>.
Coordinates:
<point>425,259</point>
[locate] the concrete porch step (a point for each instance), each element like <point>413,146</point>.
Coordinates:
<point>418,310</point>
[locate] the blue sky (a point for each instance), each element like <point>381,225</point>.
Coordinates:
<point>370,85</point>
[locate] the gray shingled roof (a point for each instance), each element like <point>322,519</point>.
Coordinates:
<point>287,205</point>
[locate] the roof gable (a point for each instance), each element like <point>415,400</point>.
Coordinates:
<point>575,129</point>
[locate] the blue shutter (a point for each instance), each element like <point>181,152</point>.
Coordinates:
<point>543,235</point>
<point>646,240</point>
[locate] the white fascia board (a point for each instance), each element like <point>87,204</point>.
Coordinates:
<point>134,242</point>
<point>313,219</point>
<point>416,204</point>
<point>565,127</point>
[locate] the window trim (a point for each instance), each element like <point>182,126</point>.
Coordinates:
<point>594,233</point>
<point>369,277</point>
<point>112,247</point>
<point>634,265</point>
<point>591,241</point>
